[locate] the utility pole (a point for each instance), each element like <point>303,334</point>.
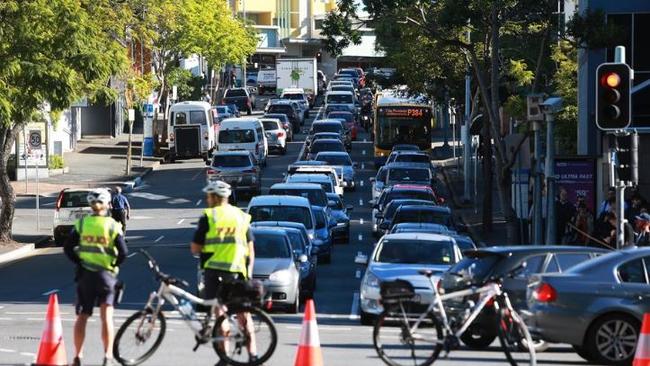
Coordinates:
<point>467,138</point>
<point>550,107</point>
<point>537,194</point>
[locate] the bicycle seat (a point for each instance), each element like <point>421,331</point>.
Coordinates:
<point>426,272</point>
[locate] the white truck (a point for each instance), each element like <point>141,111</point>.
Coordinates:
<point>297,73</point>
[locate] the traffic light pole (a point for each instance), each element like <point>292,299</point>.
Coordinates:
<point>550,180</point>
<point>537,198</point>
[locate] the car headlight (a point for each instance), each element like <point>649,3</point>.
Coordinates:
<point>370,280</point>
<point>280,276</point>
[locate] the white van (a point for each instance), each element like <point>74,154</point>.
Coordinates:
<point>191,130</point>
<point>244,133</point>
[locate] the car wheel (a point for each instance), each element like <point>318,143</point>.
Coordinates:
<point>367,319</point>
<point>295,307</point>
<point>612,339</point>
<point>583,353</point>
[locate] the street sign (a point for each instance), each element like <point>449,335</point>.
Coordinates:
<point>35,140</point>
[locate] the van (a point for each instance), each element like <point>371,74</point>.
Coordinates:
<point>191,130</point>
<point>266,81</point>
<point>243,134</point>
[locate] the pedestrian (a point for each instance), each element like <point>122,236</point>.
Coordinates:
<point>225,244</point>
<point>564,212</point>
<point>121,209</point>
<point>642,226</point>
<point>584,222</point>
<point>96,245</point>
<point>609,203</point>
<point>637,202</point>
<point>628,232</point>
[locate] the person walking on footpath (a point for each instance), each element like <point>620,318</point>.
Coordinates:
<point>96,245</point>
<point>642,226</point>
<point>121,209</point>
<point>565,211</point>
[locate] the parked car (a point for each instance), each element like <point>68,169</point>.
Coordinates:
<point>275,134</point>
<point>240,97</point>
<point>282,208</point>
<point>481,264</point>
<point>340,212</point>
<point>342,163</point>
<point>288,108</point>
<point>603,300</point>
<point>245,133</point>
<point>276,266</point>
<point>70,206</point>
<point>237,168</point>
<point>286,124</point>
<point>316,147</point>
<point>402,256</point>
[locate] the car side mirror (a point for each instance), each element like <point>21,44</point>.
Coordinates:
<point>302,258</point>
<point>349,207</point>
<point>361,259</point>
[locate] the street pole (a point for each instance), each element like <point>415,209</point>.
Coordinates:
<point>537,197</point>
<point>452,124</point>
<point>25,157</point>
<point>550,180</point>
<point>38,203</point>
<point>467,139</point>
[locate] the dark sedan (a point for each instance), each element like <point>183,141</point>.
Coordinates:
<point>325,145</point>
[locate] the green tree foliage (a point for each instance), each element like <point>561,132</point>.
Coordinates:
<point>188,86</point>
<point>565,84</point>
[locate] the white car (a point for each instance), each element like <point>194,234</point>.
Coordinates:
<point>276,135</point>
<point>245,133</point>
<point>70,207</point>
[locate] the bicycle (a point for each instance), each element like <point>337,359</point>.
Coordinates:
<point>422,336</point>
<point>147,327</point>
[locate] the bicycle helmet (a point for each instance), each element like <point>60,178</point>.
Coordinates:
<point>220,188</point>
<point>99,195</point>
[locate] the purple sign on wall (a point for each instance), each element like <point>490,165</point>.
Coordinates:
<point>577,175</point>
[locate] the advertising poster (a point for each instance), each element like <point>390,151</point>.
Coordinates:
<point>577,175</point>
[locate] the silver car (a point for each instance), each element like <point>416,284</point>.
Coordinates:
<point>238,168</point>
<point>277,267</point>
<point>596,306</point>
<point>402,256</point>
<point>342,163</point>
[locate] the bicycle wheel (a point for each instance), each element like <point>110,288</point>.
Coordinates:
<point>234,349</point>
<point>514,336</point>
<point>396,345</point>
<point>139,337</point>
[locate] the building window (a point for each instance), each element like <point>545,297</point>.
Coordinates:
<point>318,24</point>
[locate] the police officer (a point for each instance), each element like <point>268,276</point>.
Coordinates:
<point>97,246</point>
<point>225,244</point>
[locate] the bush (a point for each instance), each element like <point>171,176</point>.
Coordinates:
<point>56,162</point>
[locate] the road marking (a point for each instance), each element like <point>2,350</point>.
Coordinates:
<point>365,140</point>
<point>198,202</point>
<point>363,166</point>
<point>177,201</point>
<point>357,274</point>
<point>360,202</point>
<point>197,174</point>
<point>355,306</point>
<point>363,152</point>
<point>360,237</point>
<point>131,255</point>
<point>149,196</point>
<point>28,354</point>
<point>141,217</point>
<point>159,238</point>
<point>31,313</point>
<point>361,184</point>
<point>6,319</point>
<point>180,221</point>
<point>360,221</point>
<point>4,350</point>
<point>48,293</point>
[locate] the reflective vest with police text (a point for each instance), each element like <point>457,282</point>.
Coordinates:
<point>97,249</point>
<point>226,240</point>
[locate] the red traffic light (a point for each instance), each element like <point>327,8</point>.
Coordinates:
<point>611,80</point>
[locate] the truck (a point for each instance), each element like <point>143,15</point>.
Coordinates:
<point>241,97</point>
<point>297,73</point>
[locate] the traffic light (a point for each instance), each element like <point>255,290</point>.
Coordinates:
<point>613,101</point>
<point>627,158</point>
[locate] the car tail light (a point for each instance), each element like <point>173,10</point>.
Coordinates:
<point>280,134</point>
<point>59,201</point>
<point>545,293</point>
<point>211,171</point>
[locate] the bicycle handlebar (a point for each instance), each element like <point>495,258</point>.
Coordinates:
<point>153,265</point>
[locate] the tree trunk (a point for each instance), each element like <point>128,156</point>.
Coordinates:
<point>7,195</point>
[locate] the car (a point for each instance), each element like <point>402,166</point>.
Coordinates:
<point>327,182</point>
<point>286,124</point>
<point>340,212</point>
<point>405,147</point>
<point>421,227</point>
<point>464,242</point>
<point>411,157</point>
<point>324,170</point>
<point>326,135</point>
<point>349,120</point>
<point>240,97</point>
<point>420,214</point>
<point>351,79</point>
<point>70,206</point>
<point>297,94</point>
<point>233,109</point>
<point>282,208</point>
<point>275,134</point>
<point>409,173</point>
<point>340,97</point>
<point>266,81</point>
<point>355,73</point>
<point>339,82</point>
<point>301,244</point>
<point>342,163</point>
<point>275,265</point>
<point>401,256</point>
<point>237,168</point>
<point>385,217</point>
<point>602,299</point>
<point>246,133</point>
<point>378,182</point>
<point>288,108</point>
<point>223,112</point>
<point>400,191</point>
<point>325,145</point>
<point>323,235</point>
<point>333,126</point>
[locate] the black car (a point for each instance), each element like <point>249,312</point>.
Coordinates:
<point>333,126</point>
<point>515,264</point>
<point>325,145</point>
<point>421,214</point>
<point>385,218</point>
<point>286,107</point>
<point>405,147</point>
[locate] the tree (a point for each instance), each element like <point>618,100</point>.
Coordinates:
<point>53,51</point>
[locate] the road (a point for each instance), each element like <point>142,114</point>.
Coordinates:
<point>166,209</point>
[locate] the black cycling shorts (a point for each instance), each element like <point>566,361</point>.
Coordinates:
<point>213,280</point>
<point>94,289</point>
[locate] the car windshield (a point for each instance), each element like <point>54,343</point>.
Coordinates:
<point>422,216</point>
<point>235,93</point>
<point>322,145</point>
<point>412,158</point>
<point>296,178</point>
<point>464,243</point>
<point>339,98</point>
<point>325,135</point>
<point>335,159</point>
<point>415,252</point>
<point>231,161</point>
<point>342,88</point>
<point>236,136</point>
<point>321,220</point>
<point>281,108</point>
<point>296,240</point>
<point>408,175</point>
<point>293,96</point>
<point>352,73</point>
<point>74,199</point>
<point>348,117</point>
<point>327,127</point>
<point>316,197</point>
<point>270,125</point>
<point>281,213</point>
<point>271,246</point>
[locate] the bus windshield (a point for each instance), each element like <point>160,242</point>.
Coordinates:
<point>403,124</point>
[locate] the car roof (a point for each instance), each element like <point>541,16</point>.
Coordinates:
<point>400,201</point>
<point>339,92</point>
<point>282,101</point>
<point>279,200</point>
<point>532,249</point>
<point>303,186</point>
<point>422,225</point>
<point>402,146</point>
<point>333,153</point>
<point>406,164</point>
<point>434,208</point>
<point>309,177</point>
<point>308,163</point>
<point>409,152</point>
<point>270,119</point>
<point>324,141</point>
<point>410,187</point>
<point>232,153</point>
<point>293,91</point>
<point>339,112</point>
<point>281,224</point>
<point>326,121</point>
<point>239,120</point>
<point>418,236</point>
<point>268,230</point>
<point>325,133</point>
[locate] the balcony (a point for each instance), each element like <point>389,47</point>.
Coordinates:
<point>269,39</point>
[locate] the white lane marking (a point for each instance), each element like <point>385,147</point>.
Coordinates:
<point>28,354</point>
<point>131,255</point>
<point>359,253</point>
<point>177,201</point>
<point>4,350</point>
<point>360,202</point>
<point>141,217</point>
<point>180,221</point>
<point>357,274</point>
<point>31,313</point>
<point>62,319</point>
<point>360,237</point>
<point>360,183</point>
<point>197,174</point>
<point>149,196</point>
<point>363,166</point>
<point>159,238</point>
<point>47,293</point>
<point>198,202</point>
<point>363,152</point>
<point>365,140</point>
<point>361,221</point>
<point>6,319</point>
<point>354,309</point>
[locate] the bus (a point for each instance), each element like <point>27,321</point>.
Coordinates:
<point>401,119</point>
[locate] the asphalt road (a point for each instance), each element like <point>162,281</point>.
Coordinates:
<point>166,209</point>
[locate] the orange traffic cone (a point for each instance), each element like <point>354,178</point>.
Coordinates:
<point>309,352</point>
<point>51,351</point>
<point>642,356</point>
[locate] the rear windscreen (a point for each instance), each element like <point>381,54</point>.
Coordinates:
<point>326,127</point>
<point>285,109</point>
<point>235,93</point>
<point>270,125</point>
<point>230,161</point>
<point>297,214</point>
<point>348,117</point>
<point>412,158</point>
<point>293,96</point>
<point>339,98</point>
<point>315,197</point>
<point>74,199</point>
<point>236,136</point>
<point>319,146</point>
<point>271,246</point>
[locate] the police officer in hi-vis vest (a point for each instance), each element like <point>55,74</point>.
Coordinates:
<point>97,246</point>
<point>225,244</point>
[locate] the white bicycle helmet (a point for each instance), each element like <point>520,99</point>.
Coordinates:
<point>220,188</point>
<point>99,195</point>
